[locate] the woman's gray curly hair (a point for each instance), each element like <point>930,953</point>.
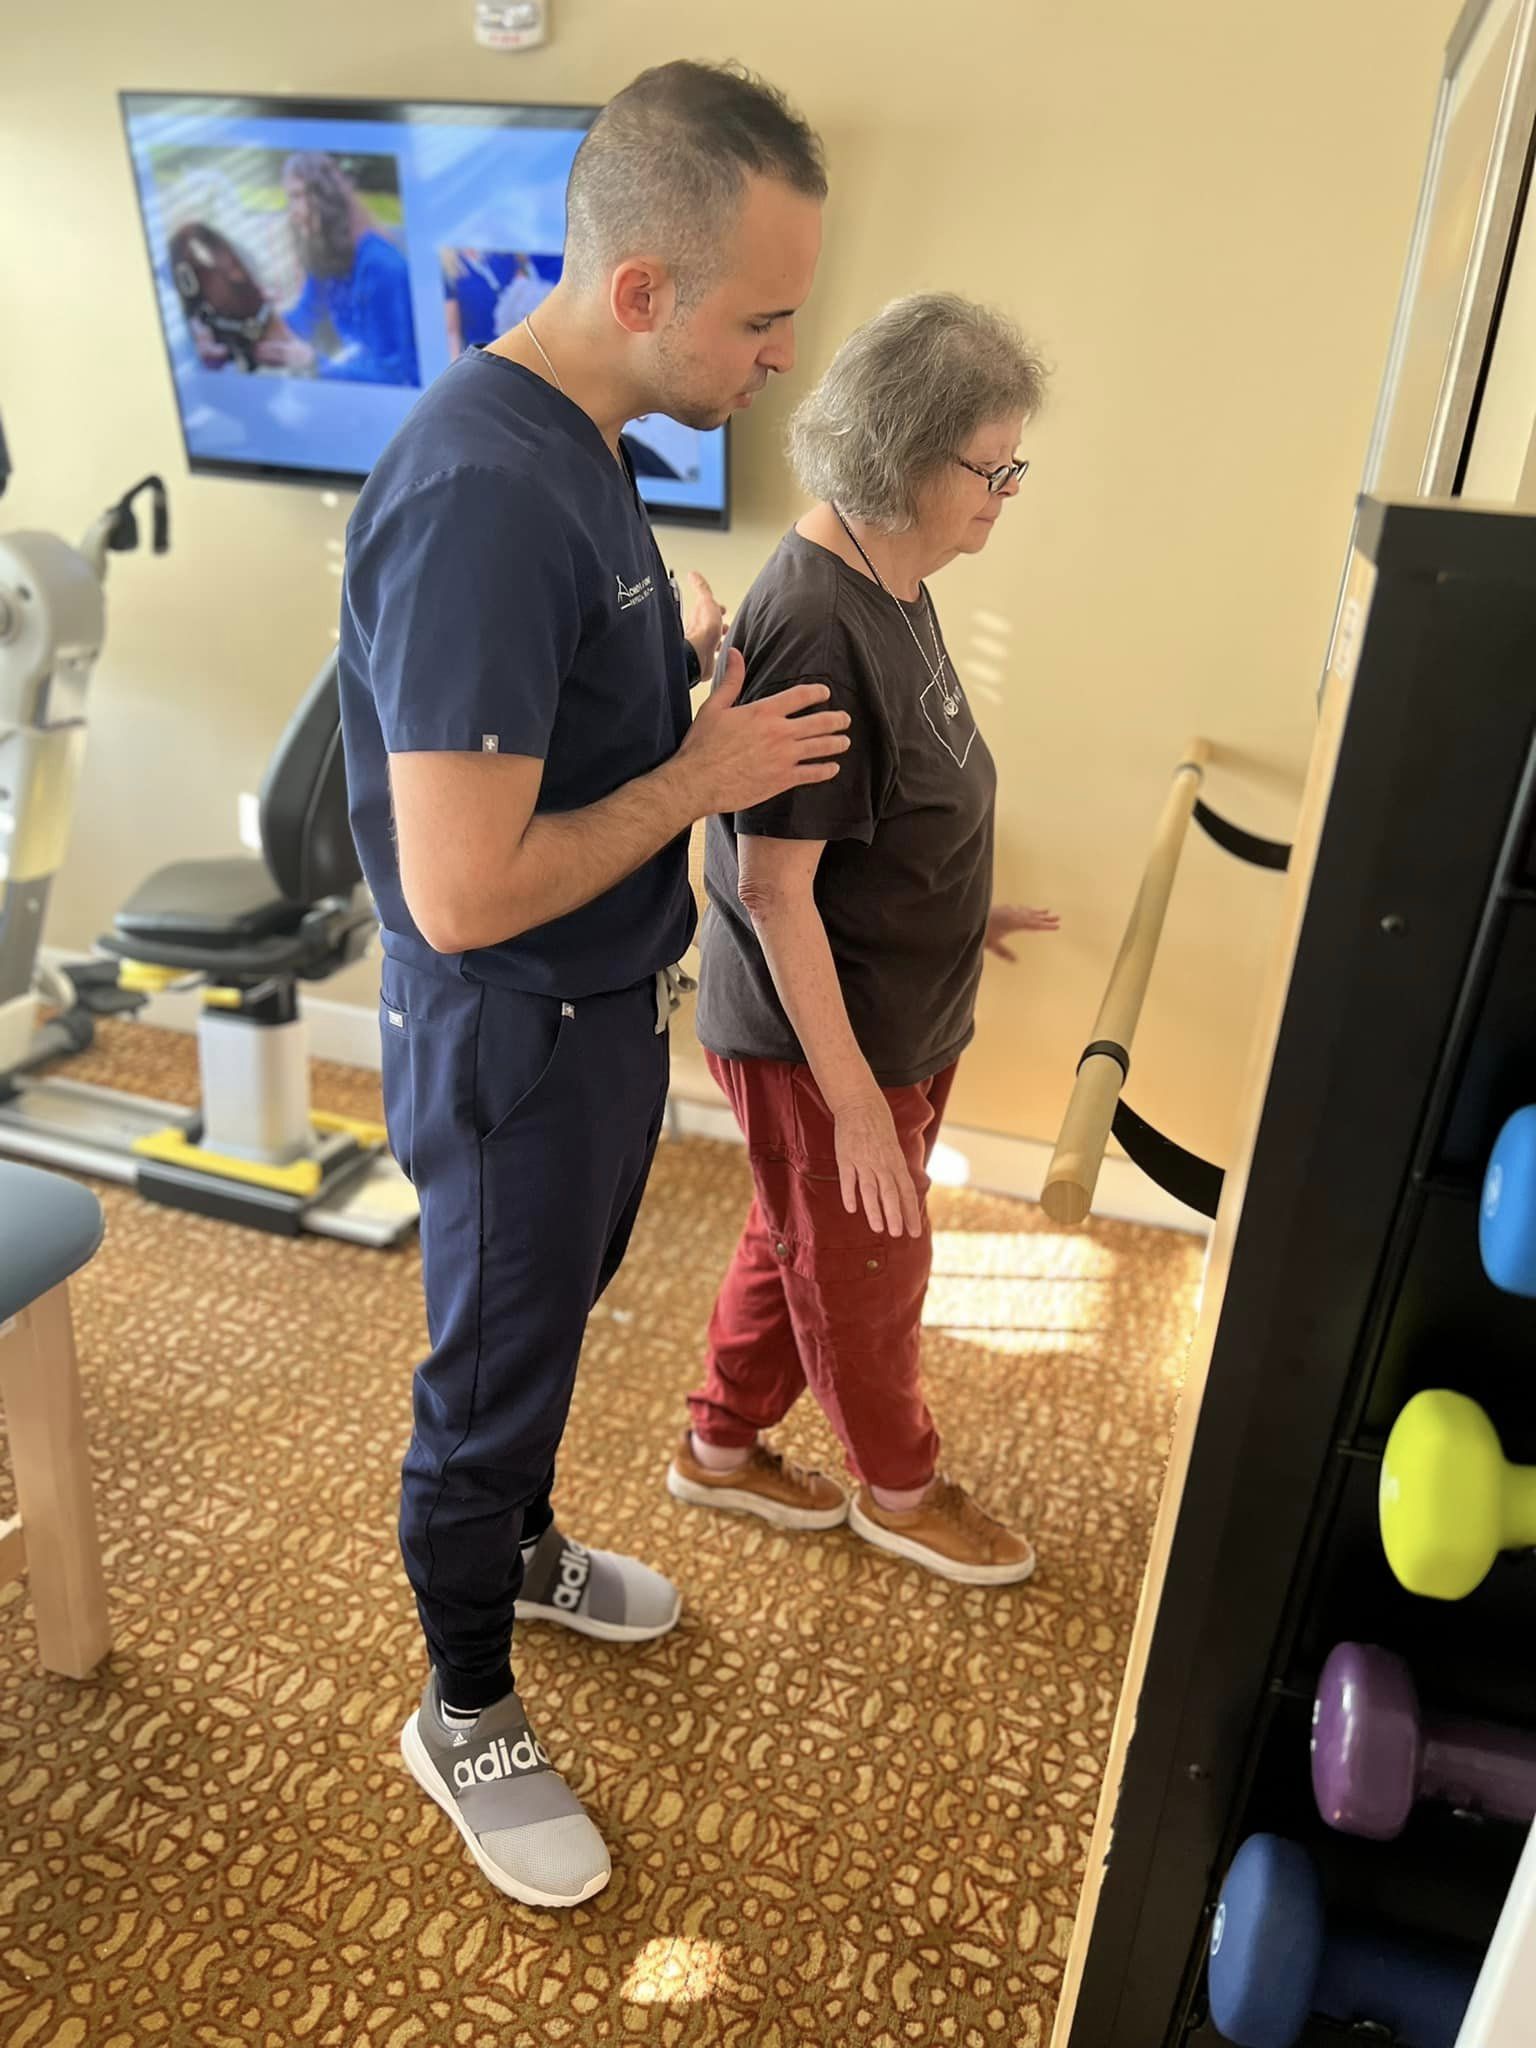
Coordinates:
<point>901,398</point>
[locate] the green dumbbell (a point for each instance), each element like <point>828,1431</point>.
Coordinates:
<point>1450,1499</point>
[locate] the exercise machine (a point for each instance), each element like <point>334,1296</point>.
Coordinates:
<point>246,929</point>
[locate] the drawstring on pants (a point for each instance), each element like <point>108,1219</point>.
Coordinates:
<point>672,984</point>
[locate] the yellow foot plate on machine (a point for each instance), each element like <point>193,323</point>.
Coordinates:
<point>365,1133</point>
<point>173,1148</point>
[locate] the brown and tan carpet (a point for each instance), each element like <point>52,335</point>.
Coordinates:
<point>847,1803</point>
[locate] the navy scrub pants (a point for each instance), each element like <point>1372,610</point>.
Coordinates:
<point>528,1126</point>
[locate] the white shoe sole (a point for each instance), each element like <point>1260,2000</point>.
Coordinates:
<point>602,1631</point>
<point>422,1769</point>
<point>737,1501</point>
<point>933,1560</point>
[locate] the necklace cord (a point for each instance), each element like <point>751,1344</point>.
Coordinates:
<point>949,698</point>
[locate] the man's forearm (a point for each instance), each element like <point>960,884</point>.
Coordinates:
<point>568,858</point>
<point>794,942</point>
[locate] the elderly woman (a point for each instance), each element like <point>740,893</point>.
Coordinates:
<point>844,940</point>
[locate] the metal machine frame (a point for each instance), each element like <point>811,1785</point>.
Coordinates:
<point>253,1152</point>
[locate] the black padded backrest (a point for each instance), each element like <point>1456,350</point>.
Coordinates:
<point>306,836</point>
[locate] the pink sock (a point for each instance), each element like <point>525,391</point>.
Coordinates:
<point>718,1457</point>
<point>902,1502</point>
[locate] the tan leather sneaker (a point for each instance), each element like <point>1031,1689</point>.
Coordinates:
<point>768,1484</point>
<point>946,1533</point>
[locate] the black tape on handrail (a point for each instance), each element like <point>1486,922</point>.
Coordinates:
<point>1182,1174</point>
<point>1110,1050</point>
<point>1259,853</point>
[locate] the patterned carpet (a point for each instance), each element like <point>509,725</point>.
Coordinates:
<point>847,1803</point>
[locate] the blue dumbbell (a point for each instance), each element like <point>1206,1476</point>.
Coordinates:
<point>1507,1222</point>
<point>1274,1962</point>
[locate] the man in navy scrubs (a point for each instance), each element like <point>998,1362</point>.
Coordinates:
<point>523,775</point>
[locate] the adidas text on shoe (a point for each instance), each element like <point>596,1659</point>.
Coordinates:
<point>522,1824</point>
<point>595,1592</point>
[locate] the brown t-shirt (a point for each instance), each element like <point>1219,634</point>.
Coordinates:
<point>905,883</point>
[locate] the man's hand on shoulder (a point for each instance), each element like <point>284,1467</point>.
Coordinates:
<point>737,755</point>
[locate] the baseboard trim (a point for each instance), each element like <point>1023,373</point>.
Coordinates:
<point>989,1161</point>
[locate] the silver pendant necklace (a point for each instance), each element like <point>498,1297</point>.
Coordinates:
<point>949,697</point>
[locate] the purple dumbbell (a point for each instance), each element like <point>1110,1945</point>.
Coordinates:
<point>1374,1755</point>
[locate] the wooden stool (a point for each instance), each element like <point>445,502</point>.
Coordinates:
<point>49,1228</point>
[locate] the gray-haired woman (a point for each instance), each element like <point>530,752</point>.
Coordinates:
<point>844,940</point>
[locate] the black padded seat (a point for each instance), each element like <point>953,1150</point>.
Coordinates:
<point>212,903</point>
<point>297,912</point>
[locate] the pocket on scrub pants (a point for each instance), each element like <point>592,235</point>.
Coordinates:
<point>520,1043</point>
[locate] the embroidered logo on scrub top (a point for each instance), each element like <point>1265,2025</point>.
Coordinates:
<point>631,594</point>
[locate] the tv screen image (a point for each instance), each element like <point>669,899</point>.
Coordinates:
<point>318,263</point>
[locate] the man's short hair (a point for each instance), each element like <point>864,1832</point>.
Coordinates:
<point>663,170</point>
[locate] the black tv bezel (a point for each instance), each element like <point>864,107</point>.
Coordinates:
<point>342,107</point>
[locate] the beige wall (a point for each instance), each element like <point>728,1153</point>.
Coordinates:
<point>1199,209</point>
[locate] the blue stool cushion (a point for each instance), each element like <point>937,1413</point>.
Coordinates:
<point>49,1227</point>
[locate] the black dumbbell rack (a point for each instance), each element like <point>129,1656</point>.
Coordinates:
<point>1408,1034</point>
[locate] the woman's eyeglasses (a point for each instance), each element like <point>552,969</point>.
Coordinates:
<point>996,480</point>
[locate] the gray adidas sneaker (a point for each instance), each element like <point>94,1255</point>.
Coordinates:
<point>520,1821</point>
<point>597,1593</point>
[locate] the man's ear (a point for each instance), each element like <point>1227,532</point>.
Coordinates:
<point>641,295</point>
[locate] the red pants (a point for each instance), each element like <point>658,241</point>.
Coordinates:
<point>815,1297</point>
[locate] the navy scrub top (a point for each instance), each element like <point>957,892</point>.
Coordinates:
<point>504,593</point>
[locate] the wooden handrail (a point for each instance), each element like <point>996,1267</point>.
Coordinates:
<point>1074,1168</point>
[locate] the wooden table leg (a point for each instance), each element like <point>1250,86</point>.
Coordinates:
<point>45,1420</point>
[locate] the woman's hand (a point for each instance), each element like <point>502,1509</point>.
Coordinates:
<point>703,624</point>
<point>282,349</point>
<point>873,1168</point>
<point>212,354</point>
<point>1004,919</point>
